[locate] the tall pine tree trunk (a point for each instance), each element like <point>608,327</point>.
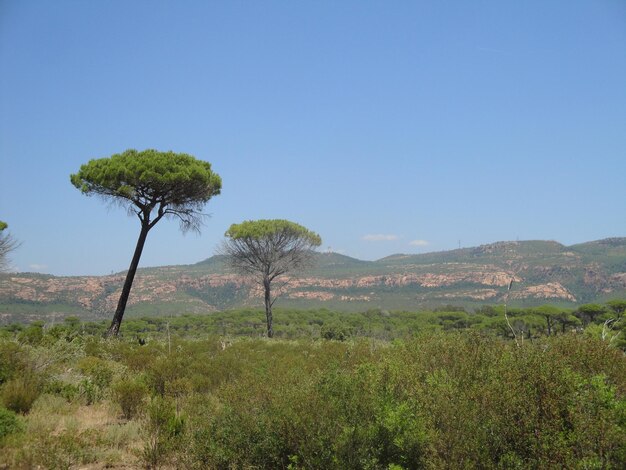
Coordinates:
<point>114,329</point>
<point>268,307</point>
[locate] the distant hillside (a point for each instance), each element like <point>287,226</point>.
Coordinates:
<point>542,271</point>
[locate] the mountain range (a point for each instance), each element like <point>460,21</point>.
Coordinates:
<point>541,271</point>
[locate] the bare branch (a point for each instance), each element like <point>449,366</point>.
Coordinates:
<point>279,291</point>
<point>506,317</point>
<point>7,244</point>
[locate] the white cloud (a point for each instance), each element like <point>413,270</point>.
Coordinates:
<point>38,267</point>
<point>419,243</point>
<point>379,237</point>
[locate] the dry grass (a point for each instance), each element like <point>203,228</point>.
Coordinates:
<point>60,434</point>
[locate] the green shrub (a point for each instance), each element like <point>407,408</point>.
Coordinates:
<point>13,359</point>
<point>69,391</point>
<point>97,370</point>
<point>163,430</point>
<point>456,397</point>
<point>33,334</point>
<point>19,393</point>
<point>98,376</point>
<point>334,331</point>
<point>94,346</point>
<point>9,423</point>
<point>130,395</point>
<point>89,392</point>
<point>300,405</point>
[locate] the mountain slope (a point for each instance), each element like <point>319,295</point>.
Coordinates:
<point>542,271</point>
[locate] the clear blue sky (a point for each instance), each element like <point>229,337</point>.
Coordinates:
<point>385,126</point>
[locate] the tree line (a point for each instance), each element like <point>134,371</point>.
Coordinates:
<point>602,321</point>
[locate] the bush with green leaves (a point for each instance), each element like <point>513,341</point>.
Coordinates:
<point>334,331</point>
<point>19,393</point>
<point>130,395</point>
<point>33,334</point>
<point>14,359</point>
<point>304,405</point>
<point>98,375</point>
<point>68,391</point>
<point>9,423</point>
<point>163,429</point>
<point>468,399</point>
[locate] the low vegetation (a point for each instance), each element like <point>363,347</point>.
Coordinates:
<point>392,390</point>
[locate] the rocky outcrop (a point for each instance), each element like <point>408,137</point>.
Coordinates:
<point>540,271</point>
<point>551,290</point>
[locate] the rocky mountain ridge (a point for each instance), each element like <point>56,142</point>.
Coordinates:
<point>541,271</point>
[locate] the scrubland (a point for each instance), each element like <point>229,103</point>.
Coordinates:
<point>373,392</point>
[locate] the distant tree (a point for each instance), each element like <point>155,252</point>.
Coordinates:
<point>548,313</point>
<point>488,311</point>
<point>7,244</point>
<point>267,249</point>
<point>588,313</point>
<point>567,320</point>
<point>151,185</point>
<point>526,322</point>
<point>618,306</point>
<point>554,318</point>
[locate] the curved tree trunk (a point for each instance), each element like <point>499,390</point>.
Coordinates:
<point>268,307</point>
<point>114,329</point>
